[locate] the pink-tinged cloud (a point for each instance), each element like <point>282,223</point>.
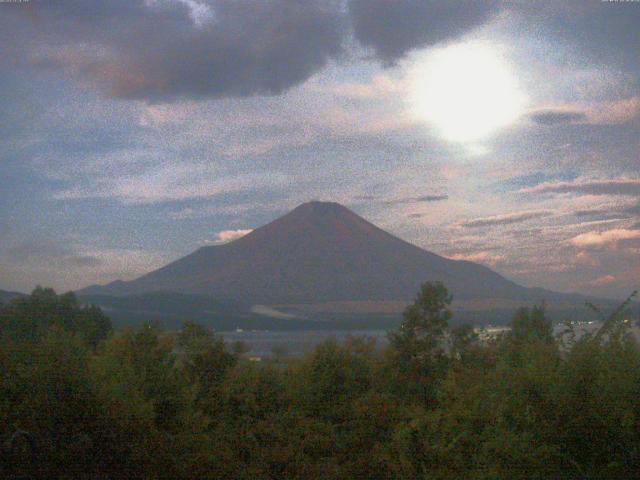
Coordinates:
<point>604,280</point>
<point>611,113</point>
<point>227,236</point>
<point>585,259</point>
<point>97,66</point>
<point>601,239</point>
<point>619,186</point>
<point>507,219</point>
<point>484,257</point>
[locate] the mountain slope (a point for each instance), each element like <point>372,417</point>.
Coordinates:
<point>6,297</point>
<point>319,252</point>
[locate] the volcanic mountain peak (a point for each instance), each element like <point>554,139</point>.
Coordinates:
<point>318,207</point>
<point>318,252</point>
<point>318,225</point>
<point>320,214</point>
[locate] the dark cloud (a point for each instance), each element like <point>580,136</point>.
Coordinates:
<point>398,201</point>
<point>165,49</point>
<point>506,219</point>
<point>629,187</point>
<point>525,233</point>
<point>82,261</point>
<point>555,117</point>
<point>635,210</point>
<point>420,199</point>
<point>590,213</point>
<point>431,198</point>
<point>604,31</point>
<point>602,213</point>
<point>471,250</point>
<point>159,50</point>
<point>50,253</point>
<point>393,28</point>
<point>365,197</point>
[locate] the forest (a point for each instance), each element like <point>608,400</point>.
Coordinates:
<point>80,400</point>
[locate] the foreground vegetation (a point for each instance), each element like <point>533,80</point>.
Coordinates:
<point>78,400</point>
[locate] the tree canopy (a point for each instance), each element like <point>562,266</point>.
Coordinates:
<point>79,402</point>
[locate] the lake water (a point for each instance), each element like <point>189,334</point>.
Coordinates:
<point>294,343</point>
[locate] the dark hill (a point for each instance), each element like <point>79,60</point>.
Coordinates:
<point>6,297</point>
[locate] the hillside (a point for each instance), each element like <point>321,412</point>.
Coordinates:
<point>6,296</point>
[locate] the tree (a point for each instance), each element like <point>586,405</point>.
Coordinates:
<point>48,399</point>
<point>419,347</point>
<point>463,340</point>
<point>204,360</point>
<point>151,421</point>
<point>29,318</point>
<point>531,326</point>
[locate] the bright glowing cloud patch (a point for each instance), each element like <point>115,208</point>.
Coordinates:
<point>465,90</point>
<point>599,239</point>
<point>604,280</point>
<point>227,236</point>
<point>487,258</point>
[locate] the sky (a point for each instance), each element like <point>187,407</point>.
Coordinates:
<point>133,132</point>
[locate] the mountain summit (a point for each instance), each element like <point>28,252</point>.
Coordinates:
<point>319,252</point>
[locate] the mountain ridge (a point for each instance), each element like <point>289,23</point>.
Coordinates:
<point>6,296</point>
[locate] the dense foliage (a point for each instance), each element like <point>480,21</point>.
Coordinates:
<point>79,401</point>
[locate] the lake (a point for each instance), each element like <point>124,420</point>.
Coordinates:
<point>295,343</point>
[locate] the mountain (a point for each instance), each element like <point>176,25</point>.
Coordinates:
<point>6,296</point>
<point>322,257</point>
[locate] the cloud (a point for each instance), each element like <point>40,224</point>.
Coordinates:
<point>365,197</point>
<point>169,183</point>
<point>485,257</point>
<point>393,28</point>
<point>200,13</point>
<point>162,50</point>
<point>584,258</point>
<point>622,186</point>
<point>606,31</point>
<point>591,212</point>
<point>555,117</point>
<point>226,236</point>
<point>419,199</point>
<point>604,280</point>
<point>611,213</point>
<point>36,252</point>
<point>111,264</point>
<point>610,112</point>
<point>524,233</point>
<point>601,239</point>
<point>506,219</point>
<point>613,112</point>
<point>635,210</point>
<point>431,198</point>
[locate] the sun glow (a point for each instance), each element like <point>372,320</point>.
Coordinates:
<point>466,91</point>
